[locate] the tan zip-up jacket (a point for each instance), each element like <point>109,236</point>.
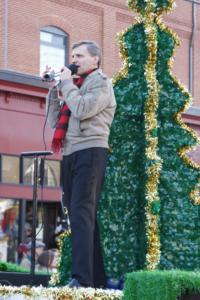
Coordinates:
<point>92,110</point>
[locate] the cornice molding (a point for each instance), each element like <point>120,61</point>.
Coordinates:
<point>81,6</point>
<point>182,33</point>
<point>125,18</point>
<point>30,80</point>
<point>116,3</point>
<point>170,20</point>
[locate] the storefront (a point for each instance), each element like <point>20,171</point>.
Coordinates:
<point>23,128</point>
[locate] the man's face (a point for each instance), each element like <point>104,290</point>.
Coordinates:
<point>82,58</point>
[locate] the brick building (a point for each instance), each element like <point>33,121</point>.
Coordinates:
<point>40,32</point>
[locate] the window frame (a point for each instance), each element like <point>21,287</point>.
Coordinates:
<point>44,185</point>
<point>57,32</point>
<point>59,177</point>
<point>1,168</point>
<point>21,169</point>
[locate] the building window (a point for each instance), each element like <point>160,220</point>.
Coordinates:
<point>28,170</point>
<point>10,169</point>
<point>9,229</point>
<point>51,172</point>
<point>53,48</point>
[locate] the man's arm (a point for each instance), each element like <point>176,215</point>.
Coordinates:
<point>96,98</point>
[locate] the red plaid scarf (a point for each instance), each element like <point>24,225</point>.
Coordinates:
<point>63,119</point>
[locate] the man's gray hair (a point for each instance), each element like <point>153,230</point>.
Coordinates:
<point>92,47</point>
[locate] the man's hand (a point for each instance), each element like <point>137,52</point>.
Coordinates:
<point>65,74</point>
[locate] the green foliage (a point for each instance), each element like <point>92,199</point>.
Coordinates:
<point>142,5</point>
<point>155,207</point>
<point>156,285</point>
<point>122,202</point>
<point>179,218</point>
<point>66,262</point>
<point>122,213</point>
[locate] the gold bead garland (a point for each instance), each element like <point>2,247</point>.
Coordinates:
<point>65,293</point>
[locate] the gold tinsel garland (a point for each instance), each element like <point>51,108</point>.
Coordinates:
<point>64,293</point>
<point>55,277</point>
<point>124,55</point>
<point>153,171</point>
<point>133,4</point>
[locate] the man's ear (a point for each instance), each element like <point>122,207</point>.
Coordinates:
<point>96,60</point>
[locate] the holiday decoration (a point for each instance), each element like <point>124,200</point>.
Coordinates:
<point>149,207</point>
<point>149,211</point>
<point>41,293</point>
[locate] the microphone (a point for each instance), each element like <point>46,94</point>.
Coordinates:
<point>73,68</point>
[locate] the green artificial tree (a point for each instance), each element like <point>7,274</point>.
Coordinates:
<point>149,214</point>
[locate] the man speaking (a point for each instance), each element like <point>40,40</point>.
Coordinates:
<point>82,125</point>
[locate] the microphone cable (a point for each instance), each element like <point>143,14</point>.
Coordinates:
<point>42,170</point>
<point>42,163</point>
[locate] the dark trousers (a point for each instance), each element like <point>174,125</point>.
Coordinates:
<point>83,176</point>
